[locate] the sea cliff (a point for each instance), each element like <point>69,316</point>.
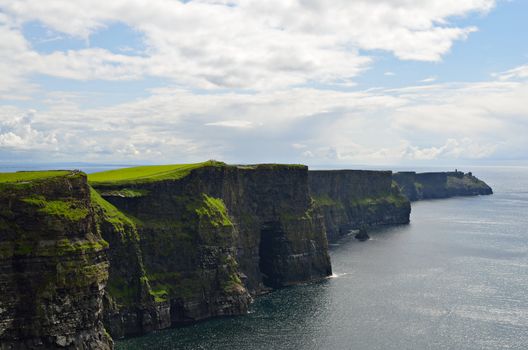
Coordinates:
<point>208,239</point>
<point>53,263</point>
<point>357,199</point>
<point>418,186</point>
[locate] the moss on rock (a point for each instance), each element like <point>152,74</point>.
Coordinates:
<point>214,210</point>
<point>70,209</point>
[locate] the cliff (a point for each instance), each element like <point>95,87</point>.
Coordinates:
<point>53,263</point>
<point>199,240</point>
<point>418,186</point>
<point>147,248</point>
<point>355,199</point>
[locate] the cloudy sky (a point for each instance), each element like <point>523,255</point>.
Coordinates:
<point>303,81</point>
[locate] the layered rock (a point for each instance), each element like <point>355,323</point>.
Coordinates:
<point>418,186</point>
<point>357,199</point>
<point>200,244</point>
<point>53,264</point>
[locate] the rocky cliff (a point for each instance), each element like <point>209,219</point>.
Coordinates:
<point>148,248</point>
<point>53,263</point>
<point>356,199</point>
<point>417,186</point>
<point>199,242</point>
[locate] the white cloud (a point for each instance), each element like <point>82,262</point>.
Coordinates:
<point>515,73</point>
<point>298,145</point>
<point>266,54</point>
<point>453,149</point>
<point>428,80</point>
<point>421,123</point>
<point>239,124</point>
<point>236,44</point>
<point>18,133</point>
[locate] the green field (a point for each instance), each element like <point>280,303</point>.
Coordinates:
<point>148,173</point>
<point>25,176</point>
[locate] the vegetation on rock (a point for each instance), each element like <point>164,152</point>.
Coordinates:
<point>214,210</point>
<point>150,173</point>
<point>24,176</point>
<point>70,209</point>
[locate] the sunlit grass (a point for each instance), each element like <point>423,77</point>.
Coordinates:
<point>147,173</point>
<point>23,176</point>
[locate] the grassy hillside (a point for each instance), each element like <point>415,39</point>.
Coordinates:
<point>147,173</point>
<point>24,176</point>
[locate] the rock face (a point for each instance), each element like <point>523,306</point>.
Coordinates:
<point>53,265</point>
<point>202,245</point>
<point>417,186</point>
<point>357,199</point>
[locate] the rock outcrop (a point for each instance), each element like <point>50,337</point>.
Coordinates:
<point>202,244</point>
<point>362,236</point>
<point>53,264</point>
<point>357,199</point>
<point>418,186</point>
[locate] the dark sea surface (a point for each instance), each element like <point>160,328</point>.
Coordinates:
<point>455,278</point>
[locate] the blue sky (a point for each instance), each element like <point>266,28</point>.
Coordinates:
<point>317,82</point>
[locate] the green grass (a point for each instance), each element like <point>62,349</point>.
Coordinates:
<point>26,176</point>
<point>68,208</point>
<point>160,295</point>
<point>60,248</point>
<point>394,199</point>
<point>326,201</point>
<point>111,213</point>
<point>214,209</point>
<point>147,173</point>
<point>124,226</point>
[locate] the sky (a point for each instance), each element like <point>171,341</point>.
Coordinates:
<point>340,82</point>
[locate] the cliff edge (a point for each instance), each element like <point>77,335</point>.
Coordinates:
<point>53,263</point>
<point>357,199</point>
<point>418,186</point>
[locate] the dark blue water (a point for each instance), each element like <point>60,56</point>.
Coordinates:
<point>455,278</point>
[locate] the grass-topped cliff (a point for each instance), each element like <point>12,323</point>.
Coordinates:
<point>31,176</point>
<point>148,173</point>
<point>200,236</point>
<point>60,199</point>
<point>53,265</point>
<point>417,186</point>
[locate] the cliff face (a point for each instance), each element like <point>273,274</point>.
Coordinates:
<point>354,199</point>
<point>53,265</point>
<point>440,185</point>
<point>199,245</point>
